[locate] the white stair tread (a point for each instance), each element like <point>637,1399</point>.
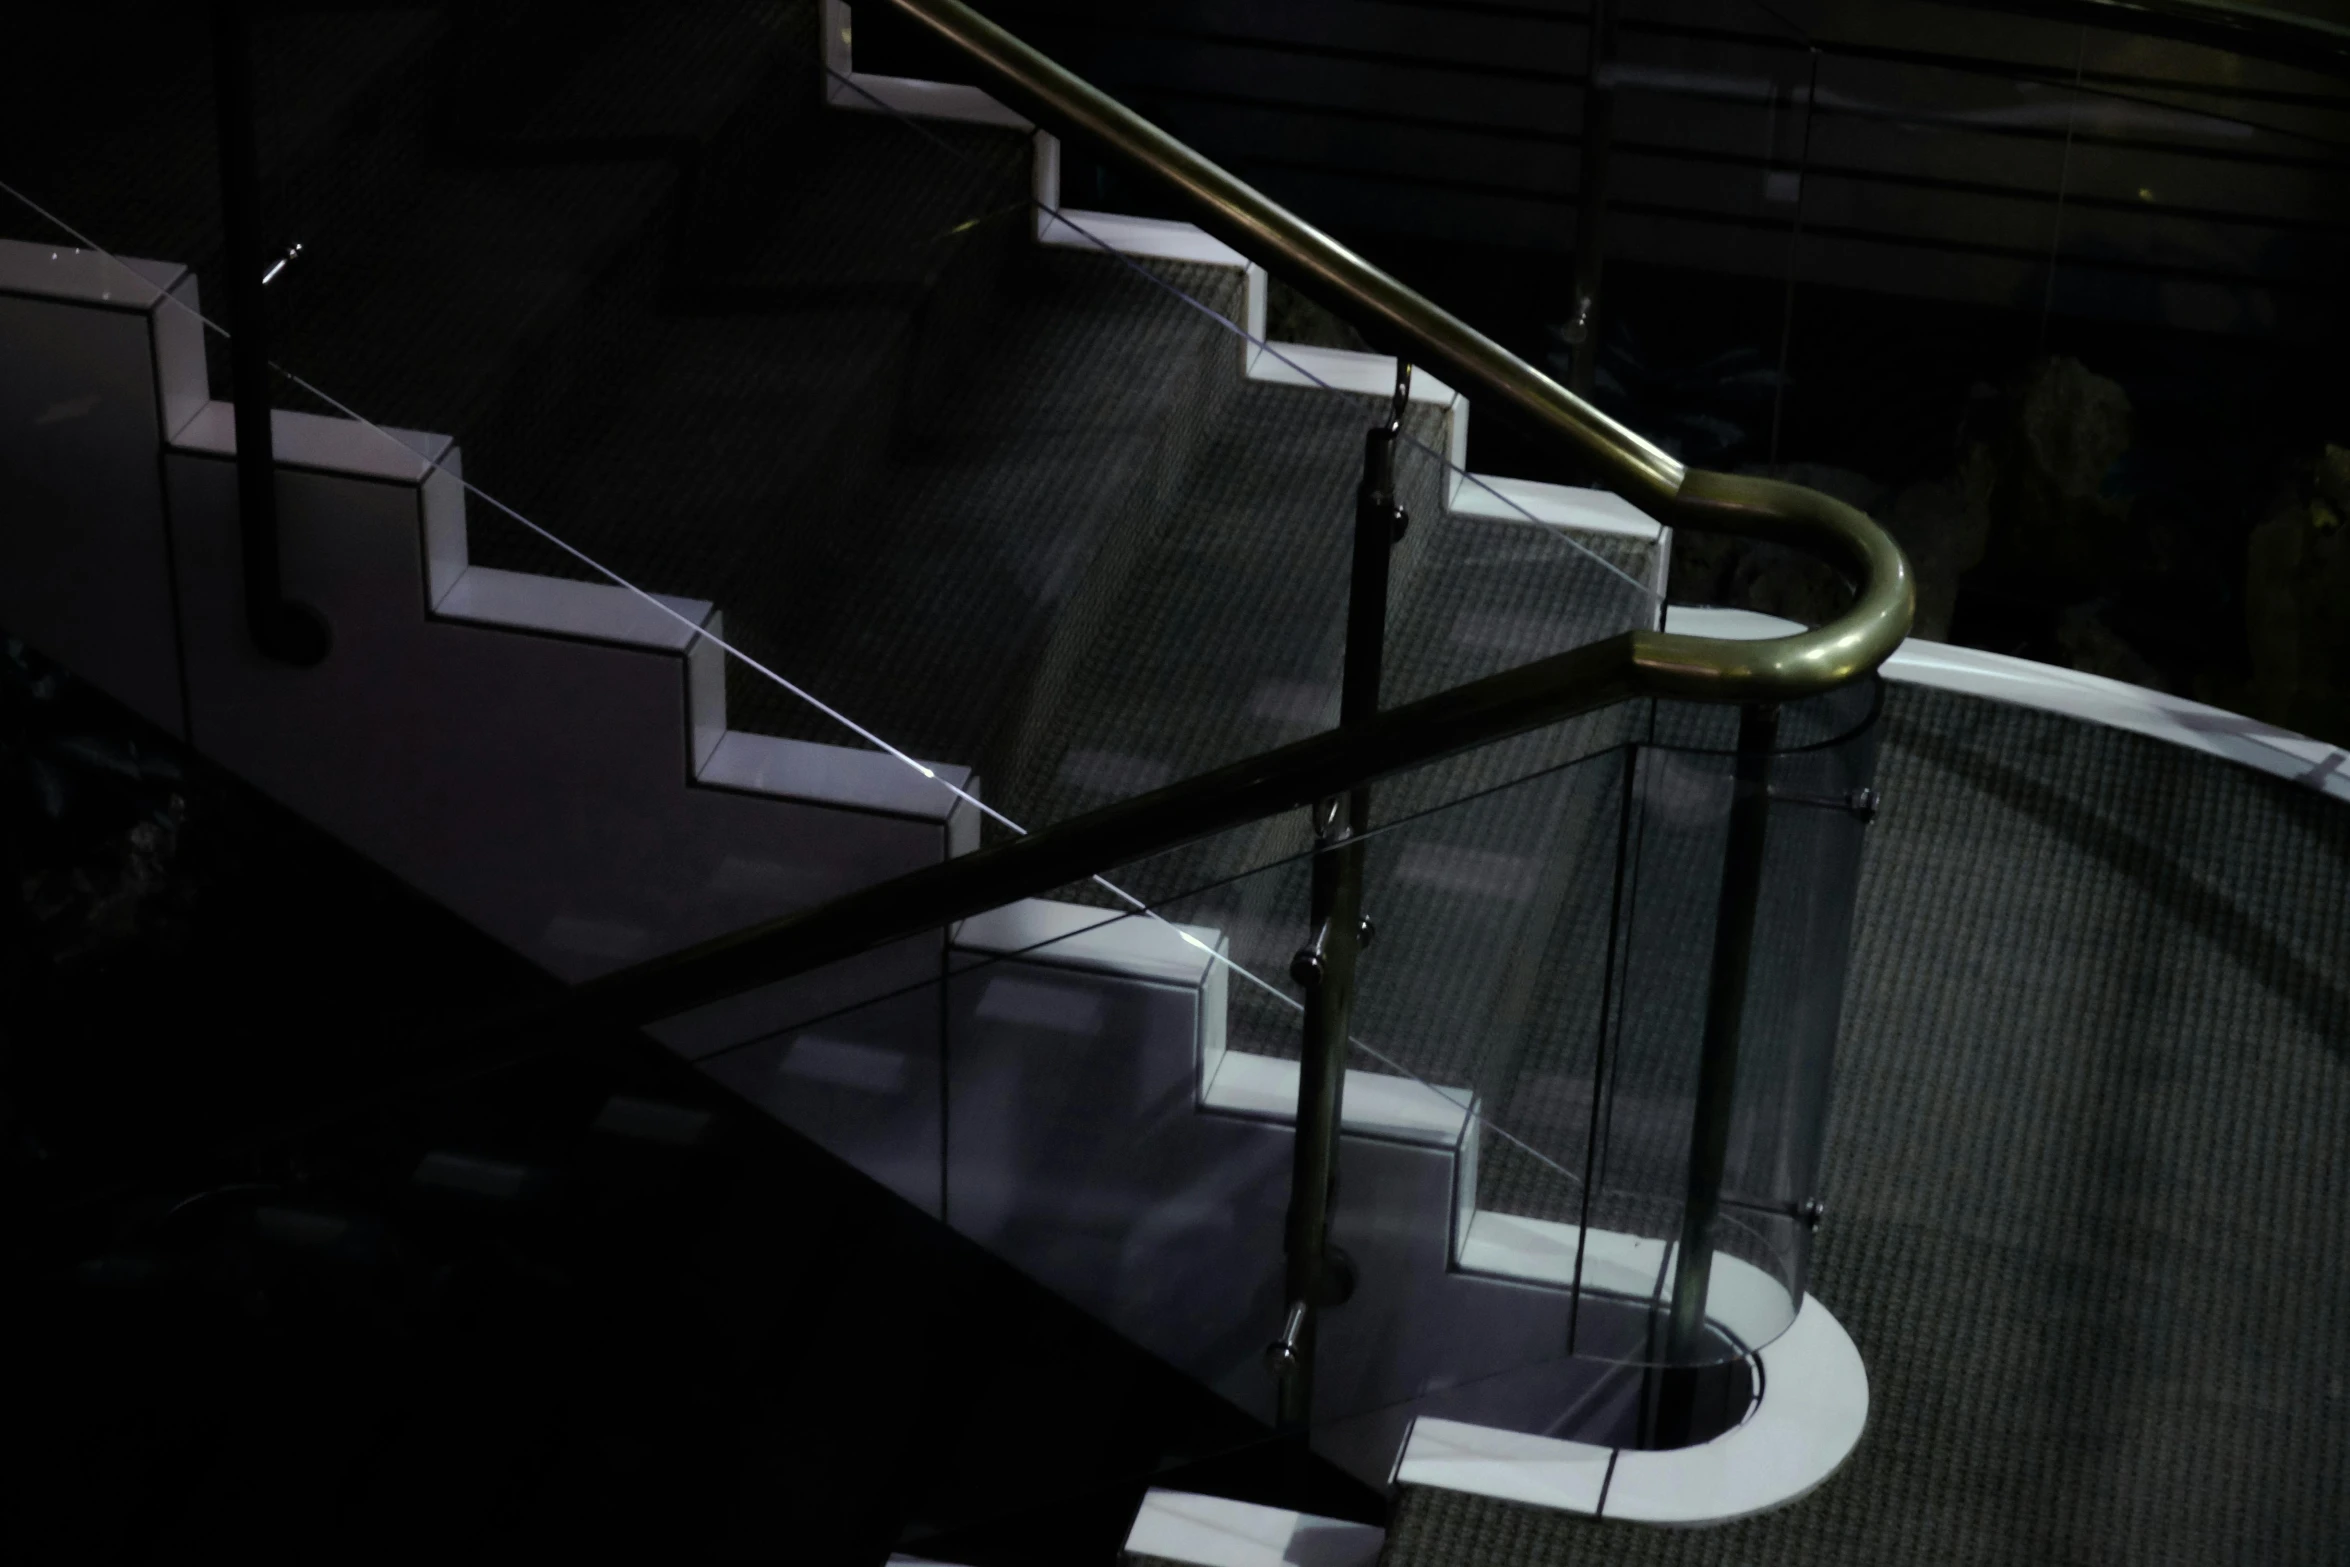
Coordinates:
<point>1814,1406</point>
<point>1375,1104</point>
<point>1178,1526</point>
<point>1497,499</point>
<point>834,775</point>
<point>1076,935</point>
<point>557,606</point>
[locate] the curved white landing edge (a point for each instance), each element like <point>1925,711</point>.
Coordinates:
<point>1813,1408</point>
<point>1177,1526</point>
<point>2094,698</point>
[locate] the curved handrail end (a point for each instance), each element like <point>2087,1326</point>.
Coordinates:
<point>1785,669</point>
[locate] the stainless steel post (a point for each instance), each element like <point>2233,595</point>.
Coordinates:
<point>1717,1070</point>
<point>1317,1276</point>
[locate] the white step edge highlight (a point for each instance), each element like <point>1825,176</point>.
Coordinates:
<point>838,775</point>
<point>69,274</point>
<point>1077,935</point>
<point>1210,1531</point>
<point>320,442</point>
<point>1813,1409</point>
<point>1162,239</point>
<point>1540,1251</point>
<point>1559,505</point>
<point>2070,693</point>
<point>1510,1466</point>
<point>1232,1082</point>
<point>496,599</point>
<point>556,606</point>
<point>1742,1300</point>
<point>1374,1105</point>
<point>807,771</point>
<point>1338,369</point>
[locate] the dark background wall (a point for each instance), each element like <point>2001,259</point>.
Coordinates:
<point>1932,150</point>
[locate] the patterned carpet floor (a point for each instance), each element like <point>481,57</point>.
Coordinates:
<point>2085,1176</point>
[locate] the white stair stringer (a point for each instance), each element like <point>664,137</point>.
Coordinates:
<point>547,758</point>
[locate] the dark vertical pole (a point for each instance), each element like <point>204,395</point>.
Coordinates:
<point>1717,1070</point>
<point>291,633</point>
<point>1811,99</point>
<point>1619,937</point>
<point>1591,195</point>
<point>1316,1278</point>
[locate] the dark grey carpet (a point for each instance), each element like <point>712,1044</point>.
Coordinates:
<point>2086,1184</point>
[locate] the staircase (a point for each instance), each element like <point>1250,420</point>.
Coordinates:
<point>685,294</point>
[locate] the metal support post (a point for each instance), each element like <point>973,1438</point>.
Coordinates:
<point>1717,1070</point>
<point>283,630</point>
<point>1318,1275</point>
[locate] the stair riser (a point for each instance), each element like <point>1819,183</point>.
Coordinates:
<point>1204,386</point>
